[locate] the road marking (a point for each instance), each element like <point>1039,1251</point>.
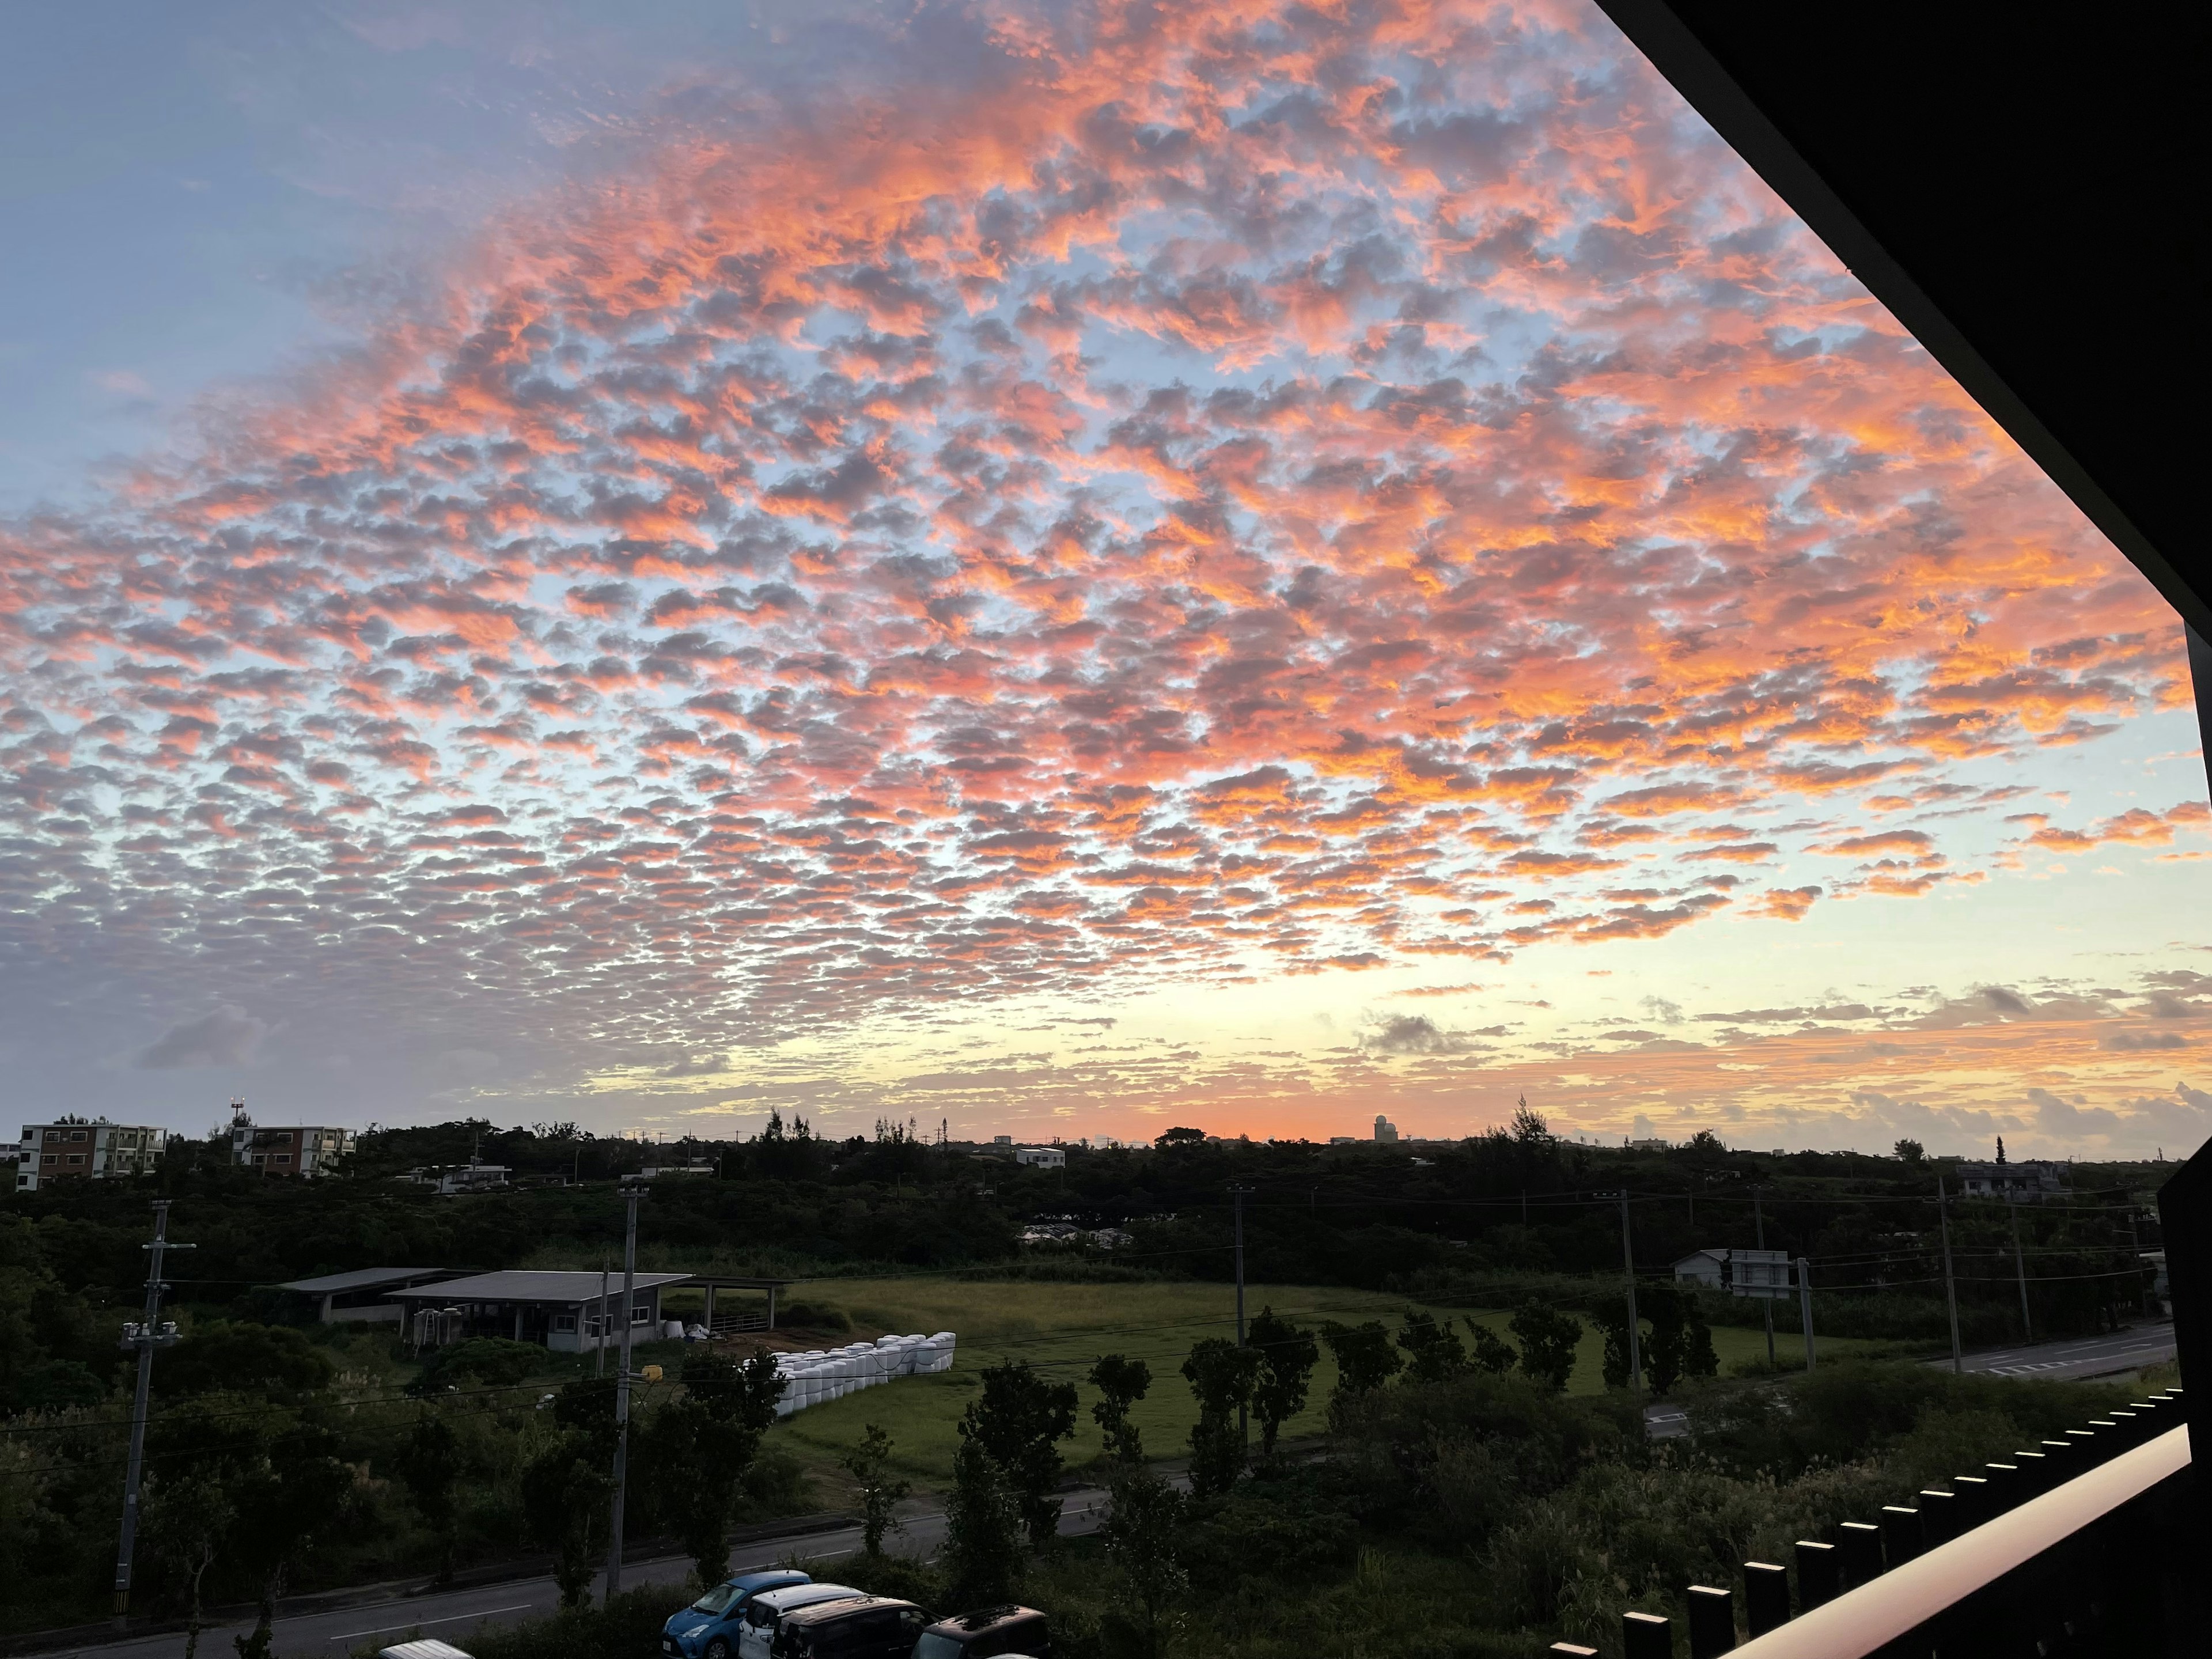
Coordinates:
<point>417,1624</point>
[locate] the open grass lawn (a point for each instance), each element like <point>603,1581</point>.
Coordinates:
<point>1062,1329</point>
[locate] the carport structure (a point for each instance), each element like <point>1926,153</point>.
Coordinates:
<point>730,1320</point>
<point>563,1310</point>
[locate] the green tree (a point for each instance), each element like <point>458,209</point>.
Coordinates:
<point>275,1361</point>
<point>285,1506</point>
<point>702,1444</point>
<point>1529,1128</point>
<point>1437,1356</point>
<point>566,1489</point>
<point>1492,1353</point>
<point>982,1553</point>
<point>429,1466</point>
<point>1680,1344</point>
<point>1019,1420</point>
<point>1614,1322</point>
<point>1141,1534</point>
<point>869,1463</point>
<point>187,1516</point>
<point>1289,1354</point>
<point>1548,1339</point>
<point>1222,1375</point>
<point>1364,1358</point>
<point>1121,1383</point>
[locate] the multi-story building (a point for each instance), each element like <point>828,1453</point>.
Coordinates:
<point>299,1150</point>
<point>77,1150</point>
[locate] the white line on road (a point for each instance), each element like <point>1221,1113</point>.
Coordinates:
<point>417,1624</point>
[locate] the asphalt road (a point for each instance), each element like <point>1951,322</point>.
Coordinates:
<point>2100,1356</point>
<point>452,1615</point>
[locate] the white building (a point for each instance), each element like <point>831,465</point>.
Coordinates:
<point>1043,1158</point>
<point>2026,1180</point>
<point>302,1150</point>
<point>99,1150</point>
<point>1764,1273</point>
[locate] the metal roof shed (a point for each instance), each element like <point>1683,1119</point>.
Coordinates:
<point>365,1295</point>
<point>560,1310</point>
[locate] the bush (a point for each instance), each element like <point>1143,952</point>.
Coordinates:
<point>490,1360</point>
<point>274,1360</point>
<point>812,1317</point>
<point>630,1624</point>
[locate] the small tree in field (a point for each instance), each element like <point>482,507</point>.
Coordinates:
<point>982,1531</point>
<point>1492,1353</point>
<point>869,1464</point>
<point>1221,1375</point>
<point>429,1466</point>
<point>1019,1420</point>
<point>1436,1354</point>
<point>1364,1361</point>
<point>1548,1339</point>
<point>1139,1533</point>
<point>1290,1354</point>
<point>186,1516</point>
<point>1121,1383</point>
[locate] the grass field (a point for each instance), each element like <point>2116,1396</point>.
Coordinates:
<point>1062,1329</point>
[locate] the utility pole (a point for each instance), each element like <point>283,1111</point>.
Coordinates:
<point>2020,1262</point>
<point>1767,1296</point>
<point>1243,1424</point>
<point>2134,1263</point>
<point>1805,1304</point>
<point>1950,1284</point>
<point>631,1194</point>
<point>1628,1270</point>
<point>600,1353</point>
<point>145,1338</point>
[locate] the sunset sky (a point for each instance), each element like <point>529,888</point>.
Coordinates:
<point>1066,569</point>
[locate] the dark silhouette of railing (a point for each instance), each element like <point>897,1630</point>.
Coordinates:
<point>2085,1543</point>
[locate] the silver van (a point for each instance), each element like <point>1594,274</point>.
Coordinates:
<point>764,1614</point>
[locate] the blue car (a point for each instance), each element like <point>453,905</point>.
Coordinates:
<point>708,1629</point>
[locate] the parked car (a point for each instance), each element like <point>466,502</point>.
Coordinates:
<point>873,1627</point>
<point>426,1647</point>
<point>765,1616</point>
<point>710,1627</point>
<point>1007,1632</point>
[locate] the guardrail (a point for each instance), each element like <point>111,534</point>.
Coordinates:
<point>2074,1545</point>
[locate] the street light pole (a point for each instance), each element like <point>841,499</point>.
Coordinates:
<point>145,1338</point>
<point>1628,1268</point>
<point>630,1197</point>
<point>1805,1304</point>
<point>1237,1193</point>
<point>1950,1283</point>
<point>1766,1293</point>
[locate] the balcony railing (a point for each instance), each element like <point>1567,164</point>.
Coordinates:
<point>2027,1557</point>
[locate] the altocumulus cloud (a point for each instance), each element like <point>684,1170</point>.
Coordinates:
<point>228,1036</point>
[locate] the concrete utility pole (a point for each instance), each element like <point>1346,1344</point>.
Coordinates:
<point>145,1338</point>
<point>600,1352</point>
<point>1765,1301</point>
<point>1628,1269</point>
<point>1243,1426</point>
<point>1950,1284</point>
<point>631,1194</point>
<point>1805,1304</point>
<point>2020,1262</point>
<point>2135,1263</point>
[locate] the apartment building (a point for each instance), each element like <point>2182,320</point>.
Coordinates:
<point>73,1150</point>
<point>298,1150</point>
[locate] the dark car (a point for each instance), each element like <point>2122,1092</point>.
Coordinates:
<point>987,1634</point>
<point>873,1627</point>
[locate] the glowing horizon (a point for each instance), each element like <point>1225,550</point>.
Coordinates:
<point>1079,569</point>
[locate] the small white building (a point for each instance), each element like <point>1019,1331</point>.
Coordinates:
<point>1043,1158</point>
<point>1385,1131</point>
<point>1764,1273</point>
<point>2026,1180</point>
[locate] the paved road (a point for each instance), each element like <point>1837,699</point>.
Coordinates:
<point>2150,1344</point>
<point>454,1614</point>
